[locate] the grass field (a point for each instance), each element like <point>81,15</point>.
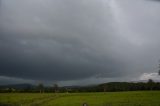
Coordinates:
<point>140,98</point>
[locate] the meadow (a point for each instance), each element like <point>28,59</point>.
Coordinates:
<point>134,98</point>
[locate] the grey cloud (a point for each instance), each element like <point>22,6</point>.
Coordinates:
<point>155,0</point>
<point>11,80</point>
<point>73,40</point>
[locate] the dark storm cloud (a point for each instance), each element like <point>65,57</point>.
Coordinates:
<point>68,40</point>
<point>155,0</point>
<point>58,40</point>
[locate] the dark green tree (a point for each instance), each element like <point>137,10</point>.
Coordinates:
<point>55,87</point>
<point>41,87</point>
<point>150,84</point>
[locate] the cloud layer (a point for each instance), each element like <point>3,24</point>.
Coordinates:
<point>75,40</point>
<point>147,76</point>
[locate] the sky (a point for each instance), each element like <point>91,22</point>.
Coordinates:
<point>79,42</point>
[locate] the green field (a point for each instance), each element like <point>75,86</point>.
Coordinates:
<point>140,98</point>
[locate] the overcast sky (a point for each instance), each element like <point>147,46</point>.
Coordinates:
<point>78,41</point>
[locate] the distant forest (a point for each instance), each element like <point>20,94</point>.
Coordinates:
<point>106,87</point>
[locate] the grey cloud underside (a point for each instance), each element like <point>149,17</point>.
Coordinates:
<point>155,0</point>
<point>55,60</point>
<point>67,40</point>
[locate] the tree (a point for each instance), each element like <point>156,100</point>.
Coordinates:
<point>150,81</point>
<point>40,87</point>
<point>150,84</point>
<point>55,87</point>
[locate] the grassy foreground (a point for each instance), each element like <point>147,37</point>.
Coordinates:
<point>140,98</point>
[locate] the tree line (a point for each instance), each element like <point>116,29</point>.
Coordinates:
<point>130,86</point>
<point>106,87</point>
